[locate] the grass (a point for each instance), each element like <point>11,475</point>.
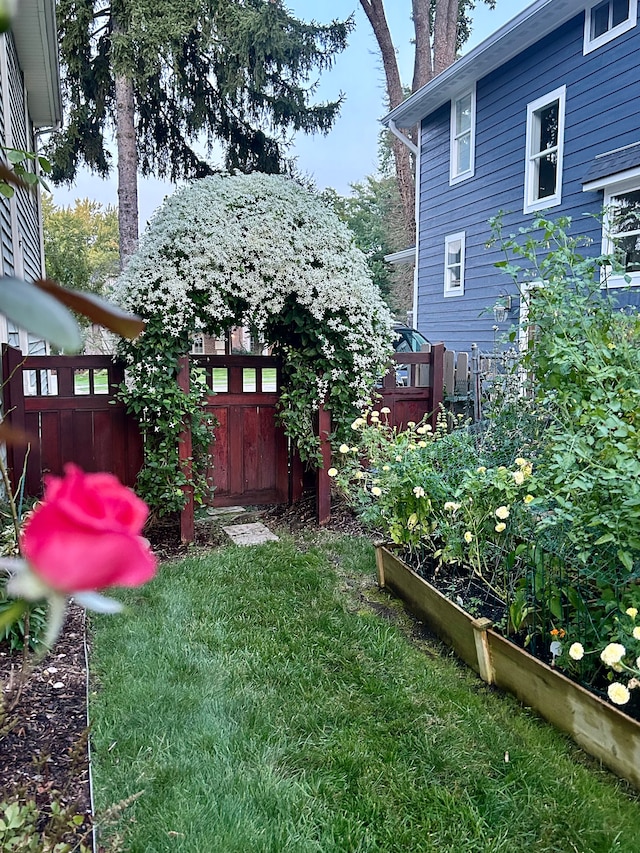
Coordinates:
<point>262,705</point>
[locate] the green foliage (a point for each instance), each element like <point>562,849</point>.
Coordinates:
<point>221,71</point>
<point>369,212</point>
<point>584,366</point>
<point>81,244</point>
<point>26,166</point>
<point>162,408</point>
<point>22,829</point>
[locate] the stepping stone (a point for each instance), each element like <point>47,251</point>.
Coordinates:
<point>250,534</point>
<point>225,510</point>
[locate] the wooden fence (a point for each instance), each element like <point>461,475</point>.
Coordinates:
<point>66,405</point>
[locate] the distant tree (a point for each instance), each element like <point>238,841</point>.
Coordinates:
<point>80,244</point>
<point>441,28</point>
<point>166,75</point>
<point>372,213</point>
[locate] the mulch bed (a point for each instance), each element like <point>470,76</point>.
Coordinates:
<point>43,729</point>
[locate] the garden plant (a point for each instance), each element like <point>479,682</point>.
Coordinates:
<point>258,251</point>
<point>541,504</point>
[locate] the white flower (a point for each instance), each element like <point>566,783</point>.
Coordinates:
<point>344,448</point>
<point>613,653</point>
<point>451,506</point>
<point>418,491</point>
<point>468,537</point>
<point>636,633</point>
<point>376,491</point>
<point>618,693</point>
<point>502,512</point>
<point>398,458</point>
<point>385,410</point>
<point>576,651</point>
<point>632,611</point>
<point>332,472</point>
<point>500,527</point>
<point>518,478</point>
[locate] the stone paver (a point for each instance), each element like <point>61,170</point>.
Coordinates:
<point>250,534</point>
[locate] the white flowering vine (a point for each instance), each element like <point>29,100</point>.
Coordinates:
<point>261,251</point>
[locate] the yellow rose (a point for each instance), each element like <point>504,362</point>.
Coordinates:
<point>500,526</point>
<point>528,499</point>
<point>618,693</point>
<point>468,537</point>
<point>502,512</point>
<point>632,611</point>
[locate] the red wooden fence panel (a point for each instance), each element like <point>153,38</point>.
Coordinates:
<point>412,402</point>
<point>250,451</point>
<point>66,405</point>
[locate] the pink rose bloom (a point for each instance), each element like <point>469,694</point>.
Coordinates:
<point>85,534</point>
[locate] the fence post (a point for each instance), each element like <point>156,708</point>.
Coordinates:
<point>323,487</point>
<point>13,409</point>
<point>187,521</point>
<point>477,385</point>
<point>437,381</point>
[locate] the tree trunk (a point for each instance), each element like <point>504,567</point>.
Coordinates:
<point>444,34</point>
<point>127,168</point>
<point>374,10</point>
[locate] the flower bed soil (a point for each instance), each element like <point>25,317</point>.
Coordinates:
<point>43,729</point>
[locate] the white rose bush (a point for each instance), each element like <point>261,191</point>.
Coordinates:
<point>257,251</point>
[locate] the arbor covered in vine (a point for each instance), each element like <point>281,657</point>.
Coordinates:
<point>259,251</point>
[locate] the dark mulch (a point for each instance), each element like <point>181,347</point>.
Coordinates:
<point>43,728</point>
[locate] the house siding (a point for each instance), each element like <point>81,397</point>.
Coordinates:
<point>602,113</point>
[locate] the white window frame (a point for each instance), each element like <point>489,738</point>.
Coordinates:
<point>613,186</point>
<point>531,203</point>
<point>612,33</point>
<point>448,240</point>
<point>456,177</point>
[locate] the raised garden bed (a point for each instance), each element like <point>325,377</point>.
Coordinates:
<point>599,728</point>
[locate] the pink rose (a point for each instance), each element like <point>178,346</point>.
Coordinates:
<point>85,534</point>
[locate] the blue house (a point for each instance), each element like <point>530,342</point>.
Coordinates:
<point>542,116</point>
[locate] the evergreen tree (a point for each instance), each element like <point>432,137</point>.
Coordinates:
<point>168,75</point>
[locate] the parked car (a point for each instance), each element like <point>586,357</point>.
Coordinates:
<point>407,340</point>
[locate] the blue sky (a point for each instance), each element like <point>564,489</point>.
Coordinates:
<point>350,151</point>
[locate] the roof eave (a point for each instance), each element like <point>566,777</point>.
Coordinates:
<point>36,38</point>
<point>527,28</point>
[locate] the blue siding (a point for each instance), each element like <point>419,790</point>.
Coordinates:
<point>602,113</point>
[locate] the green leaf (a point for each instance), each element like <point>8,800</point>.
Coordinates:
<point>16,156</point>
<point>12,614</point>
<point>39,313</point>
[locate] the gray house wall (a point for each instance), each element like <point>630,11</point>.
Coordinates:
<point>602,114</point>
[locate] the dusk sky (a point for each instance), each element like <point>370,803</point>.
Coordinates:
<point>350,151</point>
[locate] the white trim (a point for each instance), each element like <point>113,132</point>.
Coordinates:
<point>531,203</point>
<point>404,256</point>
<point>612,282</point>
<point>403,138</point>
<point>418,188</point>
<point>629,23</point>
<point>457,177</point>
<point>448,240</point>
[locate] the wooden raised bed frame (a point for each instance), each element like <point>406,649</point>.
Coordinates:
<point>599,728</point>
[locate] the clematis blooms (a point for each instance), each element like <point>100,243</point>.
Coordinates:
<point>85,535</point>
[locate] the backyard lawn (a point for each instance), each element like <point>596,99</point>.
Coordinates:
<point>271,699</point>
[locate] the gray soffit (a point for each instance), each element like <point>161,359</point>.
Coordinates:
<point>34,31</point>
<point>613,163</point>
<point>523,31</point>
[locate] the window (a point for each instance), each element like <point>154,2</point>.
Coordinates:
<point>463,131</point>
<point>545,142</point>
<point>622,231</point>
<point>197,345</point>
<point>454,264</point>
<point>607,20</point>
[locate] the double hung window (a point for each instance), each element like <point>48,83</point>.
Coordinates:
<point>463,122</point>
<point>454,264</point>
<point>544,150</point>
<point>622,233</point>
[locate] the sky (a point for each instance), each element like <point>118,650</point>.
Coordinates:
<point>350,151</point>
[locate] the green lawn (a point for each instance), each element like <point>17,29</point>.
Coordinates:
<point>260,704</point>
